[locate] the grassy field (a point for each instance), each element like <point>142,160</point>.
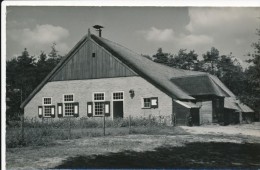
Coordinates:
<point>44,134</point>
<point>146,145</point>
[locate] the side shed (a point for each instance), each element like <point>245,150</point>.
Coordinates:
<point>185,113</point>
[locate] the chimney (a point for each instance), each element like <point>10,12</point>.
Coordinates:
<point>98,28</point>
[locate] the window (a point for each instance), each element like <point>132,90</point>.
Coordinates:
<point>118,96</point>
<point>147,103</point>
<point>69,109</point>
<point>99,108</point>
<point>150,102</point>
<point>99,104</point>
<point>47,111</point>
<point>47,108</point>
<point>47,101</point>
<point>68,104</point>
<point>68,98</point>
<point>99,96</point>
<point>93,54</point>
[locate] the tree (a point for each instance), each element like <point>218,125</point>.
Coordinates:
<point>252,98</point>
<point>161,57</point>
<point>211,58</point>
<point>53,57</point>
<point>230,72</point>
<point>20,81</point>
<point>184,60</point>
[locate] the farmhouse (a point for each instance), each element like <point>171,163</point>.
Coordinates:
<point>99,77</point>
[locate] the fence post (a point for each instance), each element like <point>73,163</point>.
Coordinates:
<point>22,128</point>
<point>129,123</point>
<point>104,124</point>
<point>69,129</point>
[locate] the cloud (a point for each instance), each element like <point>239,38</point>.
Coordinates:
<point>194,40</point>
<point>41,37</point>
<point>158,35</point>
<point>222,20</point>
<point>168,35</point>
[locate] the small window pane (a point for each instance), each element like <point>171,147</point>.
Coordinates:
<point>99,96</point>
<point>118,96</point>
<point>68,98</point>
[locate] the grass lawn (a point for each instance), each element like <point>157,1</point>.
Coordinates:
<point>169,147</point>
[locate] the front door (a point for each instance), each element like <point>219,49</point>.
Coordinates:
<point>118,109</point>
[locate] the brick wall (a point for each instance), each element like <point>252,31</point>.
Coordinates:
<point>83,92</point>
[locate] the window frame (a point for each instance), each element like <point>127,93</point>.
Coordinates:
<point>44,106</point>
<point>143,103</point>
<point>98,101</point>
<point>118,99</point>
<point>68,102</point>
<point>44,103</point>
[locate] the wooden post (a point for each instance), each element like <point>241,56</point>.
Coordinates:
<point>104,124</point>
<point>69,129</point>
<point>129,123</point>
<point>22,128</point>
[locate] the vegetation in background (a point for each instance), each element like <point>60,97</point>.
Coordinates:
<point>245,84</point>
<point>23,74</point>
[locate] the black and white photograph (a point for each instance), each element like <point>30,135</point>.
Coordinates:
<point>109,86</point>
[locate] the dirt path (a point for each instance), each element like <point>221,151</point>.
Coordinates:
<point>245,129</point>
<point>52,156</point>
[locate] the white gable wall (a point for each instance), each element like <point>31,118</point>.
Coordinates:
<point>83,92</point>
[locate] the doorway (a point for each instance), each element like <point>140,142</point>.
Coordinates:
<point>118,107</point>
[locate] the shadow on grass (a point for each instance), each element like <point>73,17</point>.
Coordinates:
<point>193,155</point>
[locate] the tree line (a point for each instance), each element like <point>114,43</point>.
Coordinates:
<point>25,72</point>
<point>245,84</point>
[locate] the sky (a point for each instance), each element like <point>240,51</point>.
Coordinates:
<point>141,29</point>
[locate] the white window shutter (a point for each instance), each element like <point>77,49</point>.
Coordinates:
<point>40,111</point>
<point>76,109</point>
<point>60,109</point>
<point>90,109</point>
<point>107,108</point>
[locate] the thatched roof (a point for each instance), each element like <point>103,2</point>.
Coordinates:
<point>202,84</point>
<point>232,103</point>
<point>178,83</point>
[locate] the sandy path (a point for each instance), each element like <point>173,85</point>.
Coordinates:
<point>246,129</point>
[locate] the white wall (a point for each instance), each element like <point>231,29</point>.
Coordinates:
<point>83,92</point>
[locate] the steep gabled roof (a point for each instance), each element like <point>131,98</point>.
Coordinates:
<point>161,76</point>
